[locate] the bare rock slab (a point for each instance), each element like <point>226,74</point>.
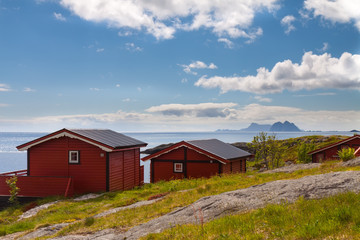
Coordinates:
<point>211,207</point>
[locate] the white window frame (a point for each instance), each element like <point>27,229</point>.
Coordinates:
<point>181,170</point>
<point>77,161</point>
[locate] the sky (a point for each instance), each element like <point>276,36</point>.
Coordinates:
<point>168,65</point>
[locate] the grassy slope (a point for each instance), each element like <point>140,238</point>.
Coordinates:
<point>80,212</point>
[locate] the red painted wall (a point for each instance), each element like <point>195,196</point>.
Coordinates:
<point>38,186</point>
<point>51,158</point>
<point>124,170</point>
<point>331,153</point>
<point>197,165</point>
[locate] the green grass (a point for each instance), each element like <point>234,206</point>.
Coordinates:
<point>337,217</point>
<point>80,213</point>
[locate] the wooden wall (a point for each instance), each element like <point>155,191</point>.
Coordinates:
<point>51,158</point>
<point>331,153</point>
<point>39,186</point>
<point>124,170</point>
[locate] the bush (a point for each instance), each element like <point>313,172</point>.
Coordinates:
<point>303,149</point>
<point>89,221</point>
<point>14,190</point>
<point>346,154</point>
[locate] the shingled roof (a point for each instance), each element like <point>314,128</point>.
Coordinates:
<point>106,139</point>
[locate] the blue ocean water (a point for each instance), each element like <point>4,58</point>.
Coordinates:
<point>11,159</point>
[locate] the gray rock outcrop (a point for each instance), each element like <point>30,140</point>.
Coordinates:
<point>211,207</point>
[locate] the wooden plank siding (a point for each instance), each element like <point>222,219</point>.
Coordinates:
<point>51,158</point>
<point>195,165</point>
<point>332,152</point>
<point>124,170</point>
<point>38,186</point>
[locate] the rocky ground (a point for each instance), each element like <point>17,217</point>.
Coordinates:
<point>211,207</point>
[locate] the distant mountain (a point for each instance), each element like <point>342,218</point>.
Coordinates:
<point>257,127</point>
<point>284,127</point>
<point>276,127</point>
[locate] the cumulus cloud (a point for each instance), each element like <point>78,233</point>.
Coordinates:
<point>100,50</point>
<point>227,42</point>
<point>162,19</point>
<point>4,88</point>
<point>196,110</point>
<point>132,47</point>
<point>197,65</point>
<point>341,11</point>
<point>59,17</point>
<point>287,22</point>
<point>314,72</point>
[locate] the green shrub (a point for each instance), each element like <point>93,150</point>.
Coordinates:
<point>14,190</point>
<point>303,149</point>
<point>346,154</point>
<point>89,221</point>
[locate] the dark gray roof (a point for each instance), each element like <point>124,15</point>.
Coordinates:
<point>219,148</point>
<point>109,137</point>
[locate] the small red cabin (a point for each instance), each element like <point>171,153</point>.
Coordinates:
<point>195,159</point>
<point>330,152</point>
<point>79,161</point>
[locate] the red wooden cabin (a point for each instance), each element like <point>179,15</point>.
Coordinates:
<point>330,152</point>
<point>195,159</point>
<point>79,161</point>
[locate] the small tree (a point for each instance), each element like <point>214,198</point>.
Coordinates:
<point>346,154</point>
<point>303,149</point>
<point>268,150</point>
<point>14,190</point>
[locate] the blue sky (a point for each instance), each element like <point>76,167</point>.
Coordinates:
<point>155,65</point>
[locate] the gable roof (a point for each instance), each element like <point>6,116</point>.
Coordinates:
<point>333,145</point>
<point>105,139</point>
<point>213,148</point>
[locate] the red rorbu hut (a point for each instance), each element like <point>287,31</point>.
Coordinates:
<point>195,159</point>
<point>330,152</point>
<point>76,161</point>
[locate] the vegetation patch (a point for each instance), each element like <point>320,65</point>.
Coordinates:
<point>337,217</point>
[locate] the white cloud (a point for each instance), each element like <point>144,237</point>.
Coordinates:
<point>287,22</point>
<point>126,100</point>
<point>100,50</point>
<point>139,89</point>
<point>227,42</point>
<point>132,47</point>
<point>342,11</point>
<point>117,85</point>
<point>4,105</point>
<point>314,72</point>
<point>95,89</point>
<point>184,80</point>
<point>27,89</point>
<point>194,110</point>
<point>197,65</point>
<point>316,94</point>
<point>181,117</point>
<point>4,88</point>
<point>124,33</point>
<point>59,17</point>
<point>262,99</point>
<point>162,19</point>
<point>324,48</point>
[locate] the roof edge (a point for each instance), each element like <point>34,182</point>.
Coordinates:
<point>334,144</point>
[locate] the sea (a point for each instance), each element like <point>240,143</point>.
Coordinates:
<point>12,160</point>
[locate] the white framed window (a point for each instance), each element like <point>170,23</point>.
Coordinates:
<point>178,167</point>
<point>74,157</point>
